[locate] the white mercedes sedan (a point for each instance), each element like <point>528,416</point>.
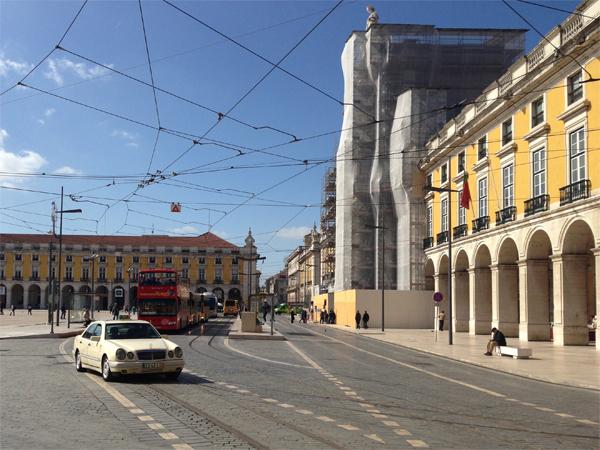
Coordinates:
<point>124,347</point>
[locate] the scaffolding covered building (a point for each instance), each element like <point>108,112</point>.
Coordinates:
<point>328,231</point>
<point>402,83</point>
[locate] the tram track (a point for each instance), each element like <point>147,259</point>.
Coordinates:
<point>244,406</point>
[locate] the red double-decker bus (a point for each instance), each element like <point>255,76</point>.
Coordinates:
<point>163,299</point>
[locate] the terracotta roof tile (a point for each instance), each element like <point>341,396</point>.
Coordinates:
<point>204,240</point>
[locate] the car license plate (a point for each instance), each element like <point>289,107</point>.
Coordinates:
<point>153,365</point>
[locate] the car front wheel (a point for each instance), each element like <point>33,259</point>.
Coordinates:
<point>106,373</point>
<point>78,365</point>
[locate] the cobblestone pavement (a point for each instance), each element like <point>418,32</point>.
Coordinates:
<point>317,390</point>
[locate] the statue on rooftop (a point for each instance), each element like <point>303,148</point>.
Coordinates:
<point>373,16</point>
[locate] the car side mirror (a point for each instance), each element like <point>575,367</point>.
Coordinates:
<point>95,339</point>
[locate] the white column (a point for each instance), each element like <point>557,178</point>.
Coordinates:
<point>596,253</point>
<point>480,308</point>
<point>460,300</point>
<point>534,305</point>
<point>570,299</point>
<point>505,298</point>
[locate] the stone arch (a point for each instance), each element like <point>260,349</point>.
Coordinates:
<point>16,296</point>
<point>101,298</point>
<point>34,296</point>
<point>575,302</point>
<point>219,293</point>
<point>537,298</point>
<point>67,296</point>
<point>84,298</point>
<point>505,288</point>
<point>201,289</point>
<point>461,294</point>
<point>480,282</point>
<point>118,296</point>
<point>234,294</point>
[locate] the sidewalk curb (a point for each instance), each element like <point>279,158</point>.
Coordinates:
<point>66,334</point>
<point>472,363</point>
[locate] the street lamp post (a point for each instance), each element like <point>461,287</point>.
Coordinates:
<point>382,229</point>
<point>450,192</point>
<point>61,212</point>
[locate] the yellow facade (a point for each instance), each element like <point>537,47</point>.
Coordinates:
<point>555,141</point>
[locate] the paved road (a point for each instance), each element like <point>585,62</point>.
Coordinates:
<point>319,389</point>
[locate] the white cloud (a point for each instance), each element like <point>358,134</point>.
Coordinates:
<point>293,232</point>
<point>8,65</point>
<point>25,161</point>
<point>41,121</point>
<point>185,229</point>
<point>57,68</point>
<point>49,112</point>
<point>131,138</point>
<point>67,170</point>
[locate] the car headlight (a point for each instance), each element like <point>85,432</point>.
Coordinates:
<point>178,352</point>
<point>130,355</point>
<point>121,354</point>
<point>171,353</point>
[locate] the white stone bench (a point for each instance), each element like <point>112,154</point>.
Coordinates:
<point>515,352</point>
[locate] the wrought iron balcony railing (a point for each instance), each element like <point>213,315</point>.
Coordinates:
<point>427,243</point>
<point>481,223</point>
<point>537,204</point>
<point>442,237</point>
<point>459,231</point>
<point>506,215</point>
<point>575,191</point>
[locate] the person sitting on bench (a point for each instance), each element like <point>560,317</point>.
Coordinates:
<point>498,340</point>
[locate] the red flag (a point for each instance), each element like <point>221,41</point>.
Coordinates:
<point>465,197</point>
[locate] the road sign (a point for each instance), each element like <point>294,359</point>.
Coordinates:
<point>175,207</point>
<point>438,297</point>
<point>119,292</point>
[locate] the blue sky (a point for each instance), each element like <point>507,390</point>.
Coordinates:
<point>102,158</point>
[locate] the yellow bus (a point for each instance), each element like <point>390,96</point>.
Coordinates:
<point>231,308</point>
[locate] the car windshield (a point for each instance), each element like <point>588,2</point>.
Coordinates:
<point>157,307</point>
<point>131,331</point>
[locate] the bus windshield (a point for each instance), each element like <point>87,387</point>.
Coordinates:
<point>157,279</point>
<point>157,307</point>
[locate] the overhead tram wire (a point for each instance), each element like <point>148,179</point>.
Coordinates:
<point>554,8</point>
<point>543,36</point>
<point>64,35</point>
<point>249,33</point>
<point>274,66</point>
<point>249,50</point>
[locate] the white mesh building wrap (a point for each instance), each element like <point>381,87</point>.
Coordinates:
<point>399,81</point>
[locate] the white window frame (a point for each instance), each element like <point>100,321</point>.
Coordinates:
<point>544,110</point>
<point>462,212</point>
<point>535,192</point>
<point>444,214</point>
<point>508,200</point>
<point>512,131</point>
<point>429,220</point>
<point>483,139</point>
<point>482,207</point>
<point>581,156</point>
<point>567,84</point>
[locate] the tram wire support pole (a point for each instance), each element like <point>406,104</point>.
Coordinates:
<point>382,229</point>
<point>61,212</point>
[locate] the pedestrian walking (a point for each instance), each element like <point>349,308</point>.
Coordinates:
<point>292,315</point>
<point>303,315</point>
<point>357,318</point>
<point>63,312</point>
<point>365,319</point>
<point>13,308</point>
<point>326,316</point>
<point>332,317</point>
<point>322,317</point>
<point>265,310</point>
<point>115,311</point>
<point>29,308</point>
<point>86,317</point>
<point>441,318</point>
